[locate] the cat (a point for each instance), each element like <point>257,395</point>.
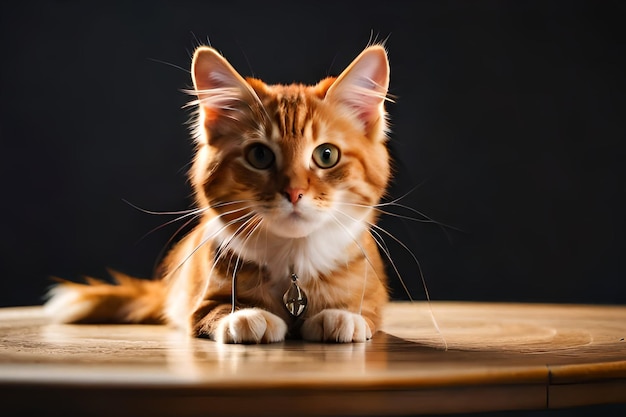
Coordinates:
<point>286,179</point>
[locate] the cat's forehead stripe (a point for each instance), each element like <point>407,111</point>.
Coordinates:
<point>292,112</point>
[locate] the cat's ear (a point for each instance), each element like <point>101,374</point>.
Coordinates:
<point>362,89</point>
<point>220,89</point>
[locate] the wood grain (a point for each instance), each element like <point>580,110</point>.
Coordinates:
<point>499,357</point>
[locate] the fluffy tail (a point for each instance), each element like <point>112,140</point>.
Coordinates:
<point>130,300</point>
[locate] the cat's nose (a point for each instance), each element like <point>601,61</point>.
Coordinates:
<point>294,194</point>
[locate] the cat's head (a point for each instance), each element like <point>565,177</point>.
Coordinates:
<point>291,159</point>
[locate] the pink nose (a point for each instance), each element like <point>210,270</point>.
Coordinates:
<point>294,194</point>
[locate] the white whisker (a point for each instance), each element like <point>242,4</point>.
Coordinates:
<point>426,219</point>
<point>383,246</point>
<point>356,242</point>
<point>136,207</point>
<point>224,248</point>
<point>194,215</point>
<point>220,230</point>
<point>170,64</point>
<point>373,228</point>
<point>233,290</point>
<point>221,251</point>
<point>170,240</point>
<point>421,274</point>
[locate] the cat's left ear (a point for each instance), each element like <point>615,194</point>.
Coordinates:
<point>362,89</point>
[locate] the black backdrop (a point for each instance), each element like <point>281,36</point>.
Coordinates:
<point>508,124</point>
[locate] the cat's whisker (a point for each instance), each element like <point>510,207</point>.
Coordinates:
<point>426,219</point>
<point>258,235</point>
<point>423,279</point>
<point>177,212</point>
<point>220,204</point>
<point>380,242</point>
<point>395,203</point>
<point>224,243</point>
<point>254,222</point>
<point>431,220</point>
<point>194,214</point>
<point>233,289</point>
<point>406,194</point>
<point>184,213</point>
<point>373,229</point>
<point>224,247</point>
<point>197,213</point>
<point>220,252</point>
<point>356,242</point>
<point>389,213</point>
<point>169,64</point>
<point>211,236</point>
<point>170,240</point>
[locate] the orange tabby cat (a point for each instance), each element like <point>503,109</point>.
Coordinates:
<point>285,178</point>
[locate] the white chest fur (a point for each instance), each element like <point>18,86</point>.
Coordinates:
<point>319,253</point>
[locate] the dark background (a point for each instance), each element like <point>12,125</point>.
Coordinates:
<point>508,124</point>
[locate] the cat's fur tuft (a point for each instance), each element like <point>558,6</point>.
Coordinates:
<point>286,178</point>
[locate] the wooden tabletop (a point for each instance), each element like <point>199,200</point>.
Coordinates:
<point>498,357</point>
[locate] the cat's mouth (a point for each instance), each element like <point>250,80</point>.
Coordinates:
<point>295,213</point>
<point>294,223</point>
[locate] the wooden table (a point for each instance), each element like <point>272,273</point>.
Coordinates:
<point>499,357</point>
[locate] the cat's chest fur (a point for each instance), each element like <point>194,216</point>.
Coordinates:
<point>328,248</point>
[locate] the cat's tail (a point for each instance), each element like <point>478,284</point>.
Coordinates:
<point>129,300</point>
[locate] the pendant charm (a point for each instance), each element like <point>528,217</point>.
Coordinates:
<point>294,298</point>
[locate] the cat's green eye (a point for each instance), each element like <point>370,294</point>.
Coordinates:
<point>259,156</point>
<point>326,156</point>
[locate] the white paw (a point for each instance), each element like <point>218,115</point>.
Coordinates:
<point>336,326</point>
<point>251,325</point>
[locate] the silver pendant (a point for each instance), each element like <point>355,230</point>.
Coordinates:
<point>294,298</point>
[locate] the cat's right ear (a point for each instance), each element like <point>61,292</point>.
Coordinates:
<point>220,89</point>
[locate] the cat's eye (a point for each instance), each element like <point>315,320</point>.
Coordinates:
<point>259,156</point>
<point>326,156</point>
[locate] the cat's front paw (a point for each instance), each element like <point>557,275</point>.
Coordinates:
<point>251,325</point>
<point>338,326</point>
